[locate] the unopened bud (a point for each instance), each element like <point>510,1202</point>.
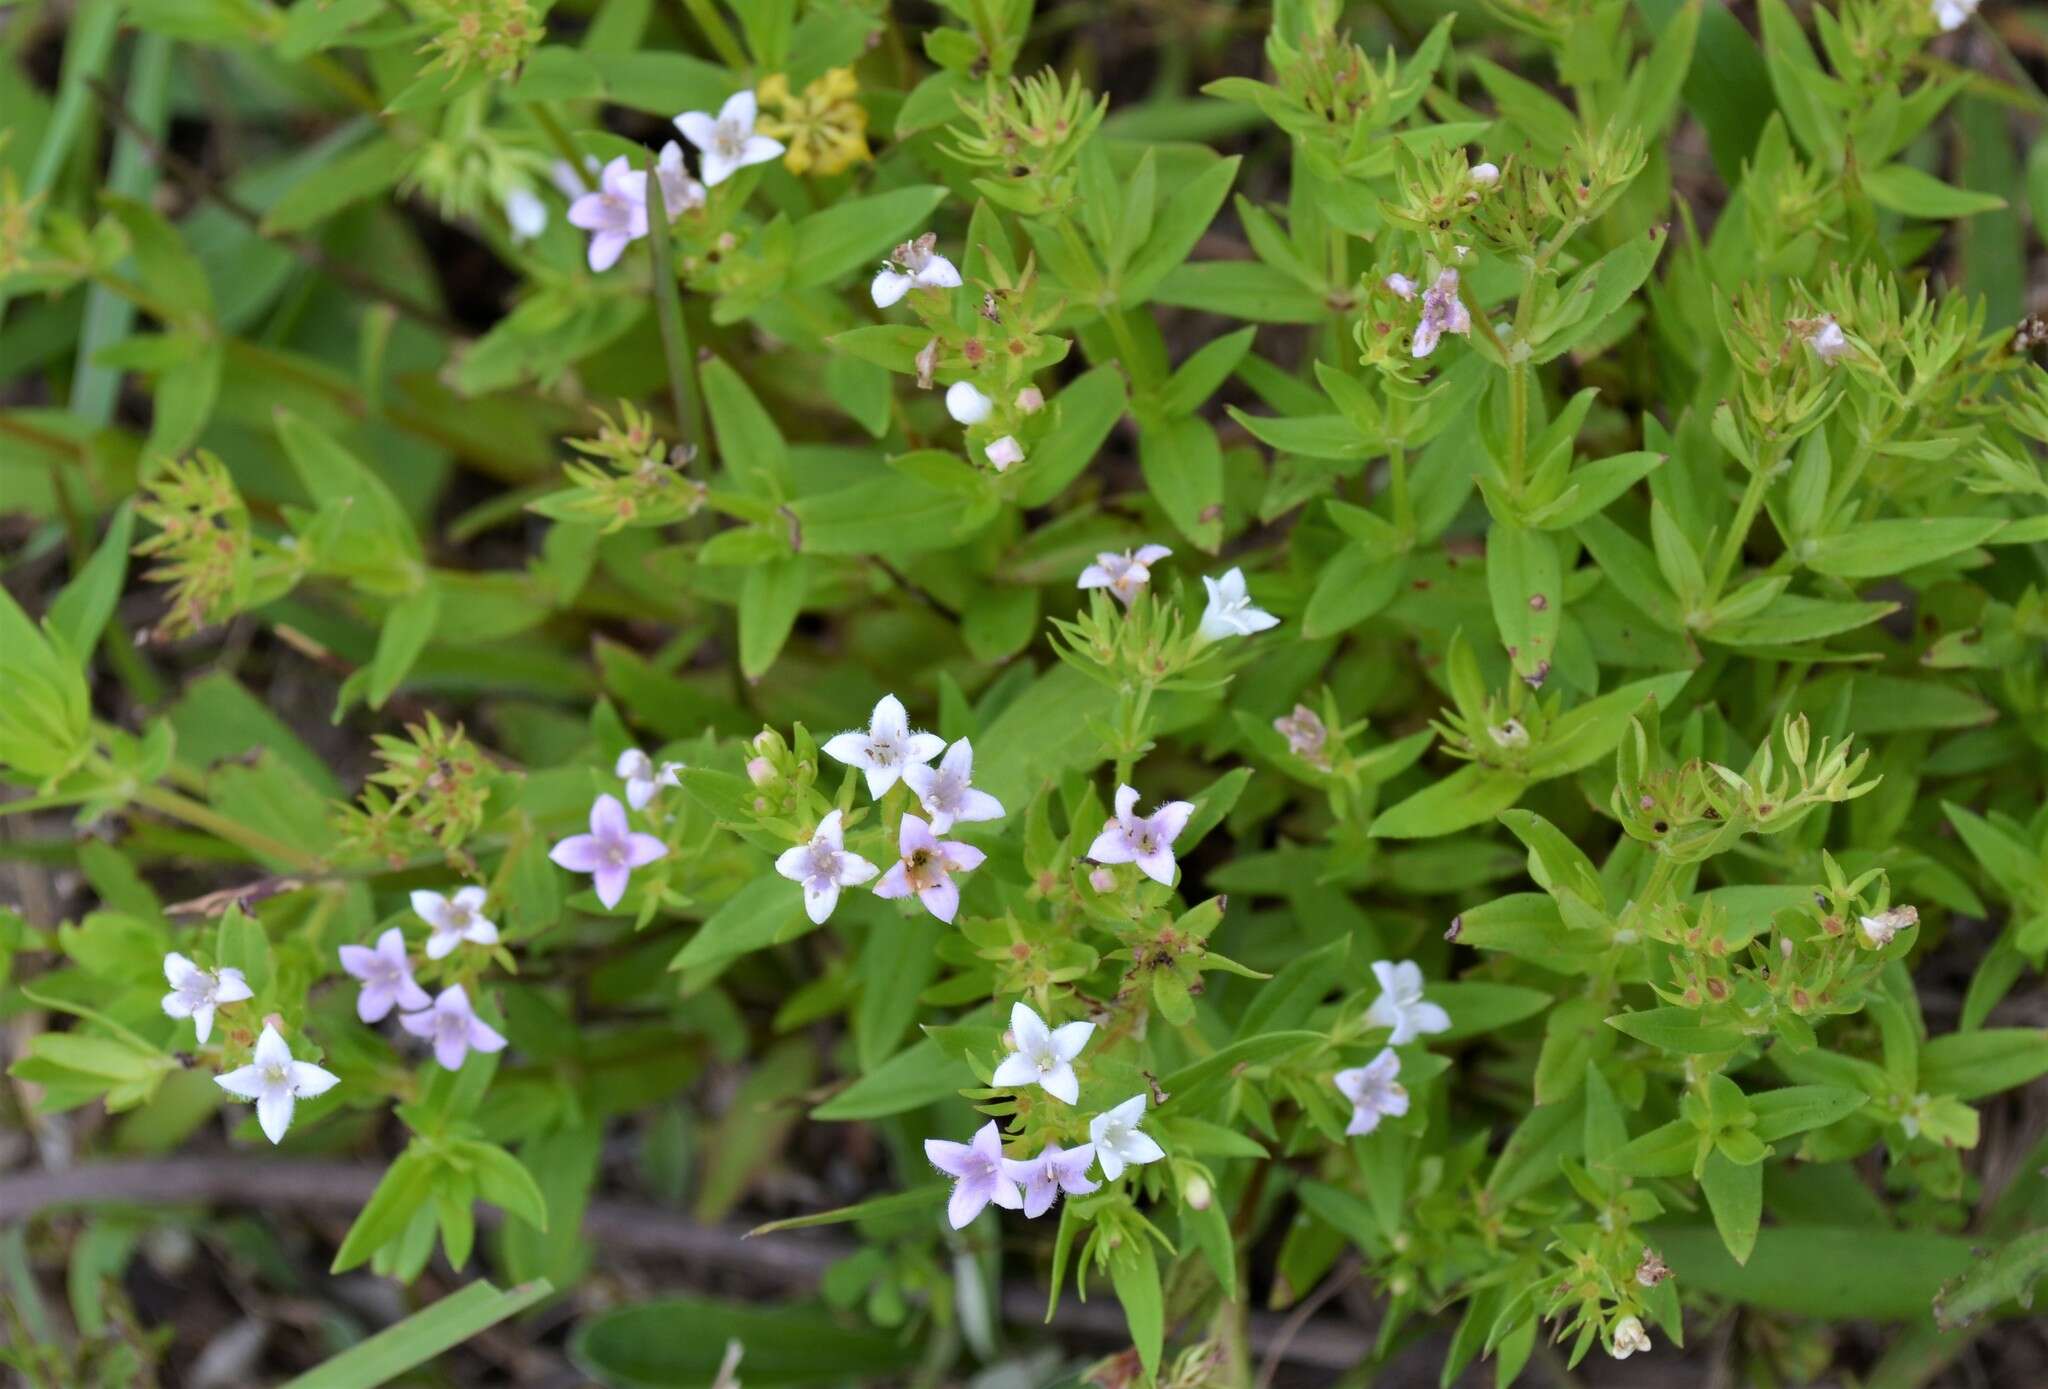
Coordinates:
<point>760,771</point>
<point>1102,880</point>
<point>1197,1192</point>
<point>1031,400</point>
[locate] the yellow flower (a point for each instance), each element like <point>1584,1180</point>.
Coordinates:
<point>825,129</point>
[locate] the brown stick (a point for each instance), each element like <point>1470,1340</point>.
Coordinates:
<point>799,1260</point>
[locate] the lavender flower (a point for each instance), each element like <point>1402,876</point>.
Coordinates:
<point>1044,1056</point>
<point>610,852</point>
<point>926,868</point>
<point>1123,575</point>
<point>1374,1091</point>
<point>615,213</point>
<point>977,1169</point>
<point>1442,312</point>
<point>1144,840</point>
<point>1053,1171</point>
<point>276,1083</point>
<point>1401,1006</point>
<point>944,791</point>
<point>454,919</point>
<point>196,993</point>
<point>886,748</point>
<point>823,866</point>
<point>453,1027</point>
<point>386,973</point>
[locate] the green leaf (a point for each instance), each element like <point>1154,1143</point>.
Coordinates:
<point>1183,467</point>
<point>749,445</point>
<point>1872,549</point>
<point>765,912</point>
<point>771,597</point>
<point>914,1077</point>
<point>1526,581</point>
<point>1735,1195</point>
<point>1797,1108</point>
<point>2009,1275</point>
<point>1083,414</point>
<point>1134,1273</point>
<point>81,612</point>
<point>369,171</point>
<point>855,233</point>
<point>928,1197</point>
<point>1677,1030</point>
<point>402,638</point>
<point>407,1185</point>
<point>671,1342</point>
<point>1178,226</point>
<point>421,1337</point>
<point>1903,188</point>
<point>1969,1065</point>
<point>1470,796</point>
<point>1184,1085</point>
<point>1818,1270</point>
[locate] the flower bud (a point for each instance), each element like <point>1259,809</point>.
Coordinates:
<point>760,771</point>
<point>1103,880</point>
<point>1030,400</point>
<point>1197,1192</point>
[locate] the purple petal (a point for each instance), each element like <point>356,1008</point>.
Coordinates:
<point>451,1049</point>
<point>357,959</point>
<point>941,899</point>
<point>915,834</point>
<point>949,1157</point>
<point>420,1024</point>
<point>484,1037</point>
<point>895,882</point>
<point>578,853</point>
<point>643,849</point>
<point>608,818</point>
<point>374,1002</point>
<point>1158,866</point>
<point>610,881</point>
<point>971,1196</point>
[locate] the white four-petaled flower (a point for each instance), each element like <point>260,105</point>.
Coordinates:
<point>1375,1092</point>
<point>977,1172</point>
<point>1401,1005</point>
<point>945,793</point>
<point>1146,840</point>
<point>1044,1056</point>
<point>1230,612</point>
<point>1629,1337</point>
<point>1125,574</point>
<point>452,1025</point>
<point>886,748</point>
<point>913,265</point>
<point>1004,452</point>
<point>1118,1144</point>
<point>276,1082</point>
<point>196,993</point>
<point>643,778</point>
<point>727,140</point>
<point>609,853</point>
<point>823,866</point>
<point>1054,1170</point>
<point>926,868</point>
<point>966,404</point>
<point>454,919</point>
<point>1952,15</point>
<point>1442,312</point>
<point>386,974</point>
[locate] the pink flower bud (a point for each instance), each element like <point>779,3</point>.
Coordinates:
<point>760,771</point>
<point>1103,880</point>
<point>1031,400</point>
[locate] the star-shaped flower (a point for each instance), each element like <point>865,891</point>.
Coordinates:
<point>727,140</point>
<point>1375,1092</point>
<point>977,1172</point>
<point>1054,1170</point>
<point>944,791</point>
<point>913,265</point>
<point>1230,612</point>
<point>643,778</point>
<point>1124,575</point>
<point>926,868</point>
<point>614,213</point>
<point>386,972</point>
<point>1117,1142</point>
<point>196,993</point>
<point>1442,312</point>
<point>276,1083</point>
<point>1401,1005</point>
<point>1044,1056</point>
<point>609,853</point>
<point>823,866</point>
<point>453,1027</point>
<point>679,192</point>
<point>1146,840</point>
<point>454,919</point>
<point>886,748</point>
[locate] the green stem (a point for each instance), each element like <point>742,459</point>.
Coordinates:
<point>1738,533</point>
<point>550,124</point>
<point>675,334</point>
<point>1518,423</point>
<point>204,817</point>
<point>718,35</point>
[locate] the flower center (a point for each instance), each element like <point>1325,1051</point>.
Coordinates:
<point>275,1077</point>
<point>615,854</point>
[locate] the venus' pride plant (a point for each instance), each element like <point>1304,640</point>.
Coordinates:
<point>1429,639</point>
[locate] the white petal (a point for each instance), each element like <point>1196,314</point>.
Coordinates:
<point>274,1113</point>
<point>1029,1029</point>
<point>700,128</point>
<point>430,907</point>
<point>233,987</point>
<point>178,970</point>
<point>1138,1149</point>
<point>1061,1083</point>
<point>850,748</point>
<point>889,720</point>
<point>717,167</point>
<point>1067,1040</point>
<point>759,149</point>
<point>271,1051</point>
<point>202,1022</point>
<point>1016,1071</point>
<point>819,902</point>
<point>309,1080</point>
<point>939,273</point>
<point>889,286</point>
<point>794,863</point>
<point>245,1081</point>
<point>740,109</point>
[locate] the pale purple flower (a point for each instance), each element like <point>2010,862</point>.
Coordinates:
<point>196,993</point>
<point>615,213</point>
<point>1485,175</point>
<point>1442,312</point>
<point>525,214</point>
<point>610,852</point>
<point>1375,1092</point>
<point>1401,1005</point>
<point>1400,285</point>
<point>913,265</point>
<point>454,919</point>
<point>1125,574</point>
<point>886,748</point>
<point>1306,735</point>
<point>1230,611</point>
<point>727,140</point>
<point>966,404</point>
<point>643,778</point>
<point>276,1082</point>
<point>386,973</point>
<point>1044,1056</point>
<point>679,192</point>
<point>926,868</point>
<point>568,182</point>
<point>1118,1144</point>
<point>977,1172</point>
<point>944,791</point>
<point>1055,1170</point>
<point>1146,840</point>
<point>452,1025</point>
<point>823,867</point>
<point>1828,341</point>
<point>1004,452</point>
